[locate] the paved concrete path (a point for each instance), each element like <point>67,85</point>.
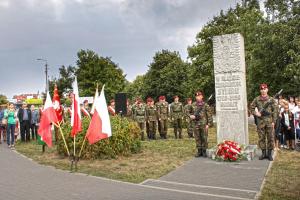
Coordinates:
<point>21,178</point>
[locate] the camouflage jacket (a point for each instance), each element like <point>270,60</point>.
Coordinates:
<point>140,114</point>
<point>270,113</point>
<point>163,110</point>
<point>188,111</point>
<point>202,113</point>
<point>176,110</point>
<point>151,113</point>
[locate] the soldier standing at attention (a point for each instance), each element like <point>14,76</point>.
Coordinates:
<point>157,104</point>
<point>133,107</point>
<point>163,114</point>
<point>151,118</point>
<point>188,109</point>
<point>265,109</point>
<point>140,117</point>
<point>147,122</point>
<point>202,119</point>
<point>176,113</point>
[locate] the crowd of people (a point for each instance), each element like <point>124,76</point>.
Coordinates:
<point>287,127</point>
<point>279,122</point>
<point>18,123</point>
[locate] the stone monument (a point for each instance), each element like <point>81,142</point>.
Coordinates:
<point>230,88</point>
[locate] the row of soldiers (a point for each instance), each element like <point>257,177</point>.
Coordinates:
<point>157,115</point>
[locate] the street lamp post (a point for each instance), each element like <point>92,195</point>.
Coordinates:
<point>46,72</point>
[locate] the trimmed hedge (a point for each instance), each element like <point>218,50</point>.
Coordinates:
<point>124,140</point>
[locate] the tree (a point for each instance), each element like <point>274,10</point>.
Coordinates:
<point>135,89</point>
<point>92,69</point>
<point>271,46</point>
<point>3,99</point>
<point>166,76</point>
<point>64,82</point>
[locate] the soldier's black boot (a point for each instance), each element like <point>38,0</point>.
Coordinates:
<point>199,153</point>
<point>263,154</point>
<point>270,157</point>
<point>180,135</point>
<point>175,133</point>
<point>204,153</point>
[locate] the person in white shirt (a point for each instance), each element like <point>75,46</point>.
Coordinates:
<point>292,104</point>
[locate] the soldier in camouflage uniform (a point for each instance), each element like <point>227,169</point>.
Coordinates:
<point>151,118</point>
<point>140,117</point>
<point>163,114</point>
<point>176,113</point>
<point>188,108</point>
<point>133,107</point>
<point>157,104</point>
<point>147,123</point>
<point>202,119</point>
<point>129,110</point>
<point>266,110</point>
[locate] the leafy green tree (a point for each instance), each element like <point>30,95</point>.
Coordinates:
<point>3,99</point>
<point>135,89</point>
<point>166,76</point>
<point>92,69</point>
<point>64,82</point>
<point>271,46</point>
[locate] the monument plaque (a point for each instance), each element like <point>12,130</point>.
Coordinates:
<point>230,88</point>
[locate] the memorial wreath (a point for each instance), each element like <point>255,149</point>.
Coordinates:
<point>229,151</point>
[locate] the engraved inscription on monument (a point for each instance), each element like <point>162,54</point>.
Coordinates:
<point>230,88</point>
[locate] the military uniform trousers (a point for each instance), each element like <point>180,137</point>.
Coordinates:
<point>142,127</point>
<point>190,128</point>
<point>265,132</point>
<point>159,128</point>
<point>152,130</point>
<point>200,136</point>
<point>147,130</point>
<point>177,124</point>
<point>163,128</point>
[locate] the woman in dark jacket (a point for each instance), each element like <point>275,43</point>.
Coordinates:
<point>287,123</point>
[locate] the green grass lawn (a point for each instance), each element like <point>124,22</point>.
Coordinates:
<point>162,156</point>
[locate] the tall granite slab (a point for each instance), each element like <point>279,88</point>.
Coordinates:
<point>230,88</point>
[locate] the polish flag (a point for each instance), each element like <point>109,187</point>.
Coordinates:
<point>76,114</point>
<point>100,124</point>
<point>48,117</point>
<point>56,104</point>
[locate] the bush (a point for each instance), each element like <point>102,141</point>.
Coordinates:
<point>124,140</point>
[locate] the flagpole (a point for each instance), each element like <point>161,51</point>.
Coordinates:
<point>63,137</point>
<point>90,119</point>
<point>74,145</point>
<point>82,146</point>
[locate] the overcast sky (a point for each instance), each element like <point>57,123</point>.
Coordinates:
<point>128,31</point>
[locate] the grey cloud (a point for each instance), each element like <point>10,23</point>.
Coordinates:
<point>129,31</point>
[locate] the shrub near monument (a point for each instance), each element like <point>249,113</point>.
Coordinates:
<point>124,140</point>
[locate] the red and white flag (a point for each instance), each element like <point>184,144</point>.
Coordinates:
<point>100,127</point>
<point>48,117</point>
<point>76,114</point>
<point>56,104</point>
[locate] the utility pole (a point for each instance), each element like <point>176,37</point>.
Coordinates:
<point>46,73</point>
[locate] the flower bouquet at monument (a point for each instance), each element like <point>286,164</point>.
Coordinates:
<point>229,151</point>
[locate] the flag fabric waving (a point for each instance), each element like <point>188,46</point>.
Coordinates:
<point>76,114</point>
<point>56,104</point>
<point>100,127</point>
<point>48,117</point>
